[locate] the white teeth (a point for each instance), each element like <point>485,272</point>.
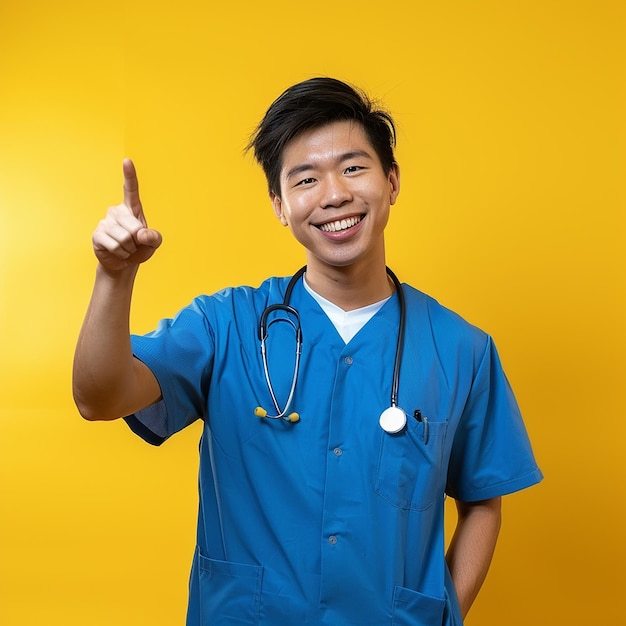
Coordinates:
<point>333,227</point>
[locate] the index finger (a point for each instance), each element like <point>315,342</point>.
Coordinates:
<point>131,187</point>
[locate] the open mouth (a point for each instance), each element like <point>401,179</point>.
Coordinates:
<point>339,225</point>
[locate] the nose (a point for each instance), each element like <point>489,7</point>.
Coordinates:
<point>335,192</point>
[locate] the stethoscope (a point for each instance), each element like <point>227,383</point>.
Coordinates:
<point>392,419</point>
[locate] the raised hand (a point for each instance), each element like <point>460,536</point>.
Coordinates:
<point>122,239</point>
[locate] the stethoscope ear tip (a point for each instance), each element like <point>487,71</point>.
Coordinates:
<point>292,417</point>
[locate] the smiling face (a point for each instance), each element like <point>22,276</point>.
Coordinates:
<point>335,196</point>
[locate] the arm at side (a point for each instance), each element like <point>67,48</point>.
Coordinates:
<point>471,549</point>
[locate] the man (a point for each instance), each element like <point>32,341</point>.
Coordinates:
<point>321,500</point>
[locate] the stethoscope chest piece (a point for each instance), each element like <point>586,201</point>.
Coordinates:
<point>392,420</point>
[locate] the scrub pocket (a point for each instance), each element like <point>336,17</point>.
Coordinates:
<point>411,608</point>
<point>230,592</point>
<point>409,472</point>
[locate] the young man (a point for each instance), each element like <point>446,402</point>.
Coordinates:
<point>321,500</point>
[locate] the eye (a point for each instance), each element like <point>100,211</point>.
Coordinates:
<point>305,181</point>
<point>352,168</point>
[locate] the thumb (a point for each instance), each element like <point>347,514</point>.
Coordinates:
<point>149,237</point>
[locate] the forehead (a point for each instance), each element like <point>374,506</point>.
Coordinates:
<point>326,143</point>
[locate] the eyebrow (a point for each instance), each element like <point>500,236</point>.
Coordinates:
<point>298,169</point>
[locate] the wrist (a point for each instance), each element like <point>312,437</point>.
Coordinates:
<point>123,276</point>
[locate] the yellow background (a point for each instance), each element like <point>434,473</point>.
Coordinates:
<point>512,148</point>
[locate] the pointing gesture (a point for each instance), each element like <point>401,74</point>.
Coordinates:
<point>122,239</point>
<point>131,188</point>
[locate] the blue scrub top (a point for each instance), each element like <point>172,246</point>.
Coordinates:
<point>331,521</point>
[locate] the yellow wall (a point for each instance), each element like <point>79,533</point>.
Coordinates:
<point>512,147</point>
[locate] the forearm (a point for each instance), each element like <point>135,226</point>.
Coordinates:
<point>106,377</point>
<point>471,549</point>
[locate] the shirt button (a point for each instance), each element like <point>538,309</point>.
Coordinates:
<point>338,451</point>
<point>332,540</point>
<point>348,360</point>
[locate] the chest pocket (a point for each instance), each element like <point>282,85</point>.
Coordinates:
<point>410,473</point>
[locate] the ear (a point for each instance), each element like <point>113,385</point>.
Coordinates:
<point>278,208</point>
<point>394,183</point>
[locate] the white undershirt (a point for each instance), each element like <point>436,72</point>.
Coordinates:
<point>347,323</point>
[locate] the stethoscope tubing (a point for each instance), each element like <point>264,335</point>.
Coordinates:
<point>395,381</point>
<point>263,326</point>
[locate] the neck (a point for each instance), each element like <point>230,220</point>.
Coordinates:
<point>350,287</point>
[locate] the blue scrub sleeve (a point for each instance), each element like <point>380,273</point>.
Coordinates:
<point>491,453</point>
<point>180,354</point>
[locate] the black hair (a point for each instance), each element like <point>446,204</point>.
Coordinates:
<point>313,103</point>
